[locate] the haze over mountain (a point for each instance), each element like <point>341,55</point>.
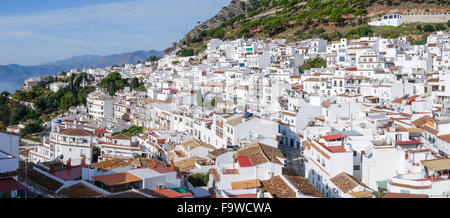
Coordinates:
<point>14,75</point>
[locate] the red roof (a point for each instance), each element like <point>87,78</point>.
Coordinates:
<point>172,194</point>
<point>244,161</point>
<point>407,142</point>
<point>333,137</point>
<point>69,174</point>
<point>351,69</point>
<point>100,131</point>
<point>399,118</point>
<point>336,149</point>
<point>7,185</point>
<point>154,135</point>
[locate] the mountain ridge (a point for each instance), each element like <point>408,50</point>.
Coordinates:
<point>14,74</point>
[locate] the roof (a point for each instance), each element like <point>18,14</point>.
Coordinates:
<point>346,182</point>
<point>410,98</point>
<point>403,195</point>
<point>238,120</point>
<point>244,161</point>
<point>129,194</point>
<point>301,183</point>
<point>76,132</point>
<point>69,173</point>
<point>145,173</point>
<point>187,164</point>
<point>437,165</point>
<point>169,193</point>
<point>421,121</point>
<point>121,137</point>
<point>362,194</point>
<point>147,162</point>
<point>100,131</point>
<point>7,185</point>
<point>117,178</point>
<point>79,191</point>
<point>445,138</point>
<point>333,137</point>
<point>218,152</point>
<point>277,188</point>
<point>111,164</point>
<point>191,144</point>
<point>244,184</point>
<point>259,153</point>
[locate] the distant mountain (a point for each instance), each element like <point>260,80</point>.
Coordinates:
<point>13,75</point>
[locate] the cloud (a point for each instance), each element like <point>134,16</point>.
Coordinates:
<point>102,28</point>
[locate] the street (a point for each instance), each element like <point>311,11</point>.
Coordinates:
<point>293,159</point>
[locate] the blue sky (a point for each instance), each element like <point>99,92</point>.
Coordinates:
<point>35,32</point>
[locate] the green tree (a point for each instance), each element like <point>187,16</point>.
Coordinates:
<point>428,28</point>
<point>419,27</point>
<point>439,27</point>
<point>135,83</point>
<point>67,101</point>
<point>199,179</point>
<point>31,128</point>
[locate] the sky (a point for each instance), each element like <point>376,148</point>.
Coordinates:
<point>36,32</point>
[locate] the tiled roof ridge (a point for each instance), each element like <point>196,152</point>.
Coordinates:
<point>262,151</point>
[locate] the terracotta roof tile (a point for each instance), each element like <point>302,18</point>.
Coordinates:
<point>277,188</point>
<point>346,182</point>
<point>76,132</point>
<point>79,191</point>
<point>301,183</point>
<point>403,195</point>
<point>260,153</point>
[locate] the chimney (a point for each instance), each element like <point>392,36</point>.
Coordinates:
<point>153,163</point>
<point>52,167</point>
<point>172,166</point>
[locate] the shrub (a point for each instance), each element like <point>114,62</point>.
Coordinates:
<point>199,179</point>
<point>428,28</point>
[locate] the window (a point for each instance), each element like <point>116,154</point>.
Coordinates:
<point>354,153</point>
<point>356,167</point>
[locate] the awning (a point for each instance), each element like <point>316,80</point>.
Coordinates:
<point>117,178</point>
<point>407,142</point>
<point>252,183</point>
<point>7,185</point>
<point>437,165</point>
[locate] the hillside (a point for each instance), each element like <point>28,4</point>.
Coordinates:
<point>282,18</point>
<point>13,75</point>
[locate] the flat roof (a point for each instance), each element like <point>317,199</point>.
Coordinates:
<point>251,183</point>
<point>333,137</point>
<point>7,185</point>
<point>117,178</point>
<point>172,194</point>
<point>145,173</point>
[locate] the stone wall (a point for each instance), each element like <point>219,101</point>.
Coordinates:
<point>426,17</point>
